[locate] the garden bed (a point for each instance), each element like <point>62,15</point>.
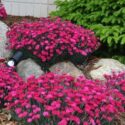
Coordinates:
<point>49,104</point>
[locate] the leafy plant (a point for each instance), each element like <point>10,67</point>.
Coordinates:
<point>64,100</point>
<point>105,17</point>
<point>49,38</point>
<point>8,78</point>
<point>3,13</point>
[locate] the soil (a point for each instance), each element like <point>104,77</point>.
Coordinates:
<point>12,19</point>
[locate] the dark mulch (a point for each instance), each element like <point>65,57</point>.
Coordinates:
<point>12,19</point>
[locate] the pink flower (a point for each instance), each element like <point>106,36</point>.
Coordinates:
<point>18,110</point>
<point>22,115</point>
<point>29,120</point>
<point>92,121</point>
<point>62,99</point>
<point>46,114</point>
<point>55,104</point>
<point>75,119</point>
<point>63,122</point>
<point>85,123</point>
<point>3,13</point>
<point>46,38</point>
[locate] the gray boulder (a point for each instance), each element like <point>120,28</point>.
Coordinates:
<point>27,68</point>
<point>4,53</point>
<point>66,68</point>
<point>106,66</point>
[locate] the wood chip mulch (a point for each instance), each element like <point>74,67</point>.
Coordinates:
<point>12,19</point>
<point>6,119</point>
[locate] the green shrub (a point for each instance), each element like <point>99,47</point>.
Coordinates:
<point>105,17</point>
<point>121,58</point>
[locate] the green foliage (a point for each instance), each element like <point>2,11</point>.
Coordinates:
<point>105,17</point>
<point>120,58</point>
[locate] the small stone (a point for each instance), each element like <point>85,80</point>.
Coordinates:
<point>4,53</point>
<point>66,68</point>
<point>28,67</point>
<point>106,66</point>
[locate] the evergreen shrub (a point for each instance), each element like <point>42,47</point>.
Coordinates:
<point>105,17</point>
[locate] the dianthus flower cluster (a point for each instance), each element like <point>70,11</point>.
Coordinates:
<point>64,100</point>
<point>8,78</point>
<point>3,13</point>
<point>47,37</point>
<point>116,81</point>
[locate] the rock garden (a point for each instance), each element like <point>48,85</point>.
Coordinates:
<point>71,70</point>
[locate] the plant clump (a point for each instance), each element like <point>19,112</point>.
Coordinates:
<point>48,38</point>
<point>3,13</point>
<point>8,78</point>
<point>64,100</point>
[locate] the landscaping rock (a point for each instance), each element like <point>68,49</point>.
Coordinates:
<point>66,68</point>
<point>105,66</point>
<point>4,53</point>
<point>27,68</point>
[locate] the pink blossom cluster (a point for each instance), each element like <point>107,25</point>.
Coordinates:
<point>3,13</point>
<point>64,100</point>
<point>116,81</point>
<point>8,78</point>
<point>47,37</point>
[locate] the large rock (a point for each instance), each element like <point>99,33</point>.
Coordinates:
<point>27,68</point>
<point>106,66</point>
<point>4,53</point>
<point>66,68</point>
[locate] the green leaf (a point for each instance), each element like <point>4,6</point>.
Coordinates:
<point>109,40</point>
<point>116,39</point>
<point>123,40</point>
<point>104,31</point>
<point>102,37</point>
<point>123,10</point>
